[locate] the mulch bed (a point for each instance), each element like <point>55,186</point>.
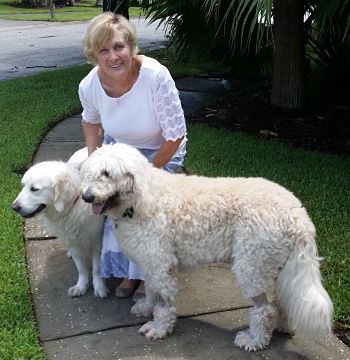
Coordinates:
<point>325,128</point>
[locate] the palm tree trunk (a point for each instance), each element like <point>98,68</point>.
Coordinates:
<point>117,6</point>
<point>288,79</point>
<point>52,9</point>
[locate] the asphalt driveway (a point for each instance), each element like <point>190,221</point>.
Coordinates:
<point>28,47</point>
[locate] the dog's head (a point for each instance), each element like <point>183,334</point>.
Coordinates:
<point>114,179</point>
<point>47,185</point>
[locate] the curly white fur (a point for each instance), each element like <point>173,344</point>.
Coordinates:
<point>259,226</point>
<point>52,188</point>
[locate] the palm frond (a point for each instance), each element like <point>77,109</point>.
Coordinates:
<point>333,17</point>
<point>243,20</point>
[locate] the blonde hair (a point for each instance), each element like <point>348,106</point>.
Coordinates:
<point>101,28</point>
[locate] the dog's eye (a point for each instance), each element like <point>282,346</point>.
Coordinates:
<point>106,173</point>
<point>33,188</point>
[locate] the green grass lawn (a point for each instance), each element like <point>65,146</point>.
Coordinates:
<point>30,106</point>
<point>85,10</point>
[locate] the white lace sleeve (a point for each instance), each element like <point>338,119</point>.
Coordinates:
<point>168,107</point>
<point>90,114</point>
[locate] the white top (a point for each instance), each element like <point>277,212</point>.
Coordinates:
<point>145,116</point>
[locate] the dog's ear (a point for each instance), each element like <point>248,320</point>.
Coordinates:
<point>143,199</point>
<point>127,182</point>
<point>132,184</point>
<point>64,191</point>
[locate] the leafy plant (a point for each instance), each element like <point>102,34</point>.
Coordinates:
<point>226,32</point>
<point>329,42</point>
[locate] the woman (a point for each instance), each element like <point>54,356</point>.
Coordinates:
<point>131,99</point>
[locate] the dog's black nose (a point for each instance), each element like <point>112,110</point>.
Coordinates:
<point>88,197</point>
<point>15,206</point>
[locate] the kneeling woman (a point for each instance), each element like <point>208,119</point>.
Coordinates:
<point>131,99</point>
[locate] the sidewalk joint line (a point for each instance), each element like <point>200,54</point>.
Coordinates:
<point>140,323</point>
<point>42,238</point>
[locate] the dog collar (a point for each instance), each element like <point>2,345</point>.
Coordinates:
<point>129,212</point>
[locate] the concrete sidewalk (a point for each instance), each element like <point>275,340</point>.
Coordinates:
<point>209,306</point>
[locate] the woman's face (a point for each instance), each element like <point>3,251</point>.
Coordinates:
<point>115,58</point>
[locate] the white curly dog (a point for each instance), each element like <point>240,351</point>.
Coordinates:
<point>52,188</point>
<point>165,219</point>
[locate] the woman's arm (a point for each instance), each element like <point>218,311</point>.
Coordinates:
<point>165,152</point>
<point>170,116</point>
<point>93,136</point>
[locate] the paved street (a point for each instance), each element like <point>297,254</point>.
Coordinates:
<point>28,47</point>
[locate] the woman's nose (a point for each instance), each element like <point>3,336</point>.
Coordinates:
<point>112,55</point>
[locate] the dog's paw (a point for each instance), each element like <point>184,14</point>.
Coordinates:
<point>142,308</point>
<point>77,290</point>
<point>281,326</point>
<point>154,330</point>
<point>101,290</point>
<point>245,341</point>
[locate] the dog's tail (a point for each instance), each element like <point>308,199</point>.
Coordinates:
<point>300,292</point>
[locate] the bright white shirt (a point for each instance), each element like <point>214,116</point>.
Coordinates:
<point>145,116</point>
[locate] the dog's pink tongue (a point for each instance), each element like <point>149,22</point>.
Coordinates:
<point>97,208</point>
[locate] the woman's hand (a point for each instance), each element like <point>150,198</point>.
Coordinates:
<point>165,152</point>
